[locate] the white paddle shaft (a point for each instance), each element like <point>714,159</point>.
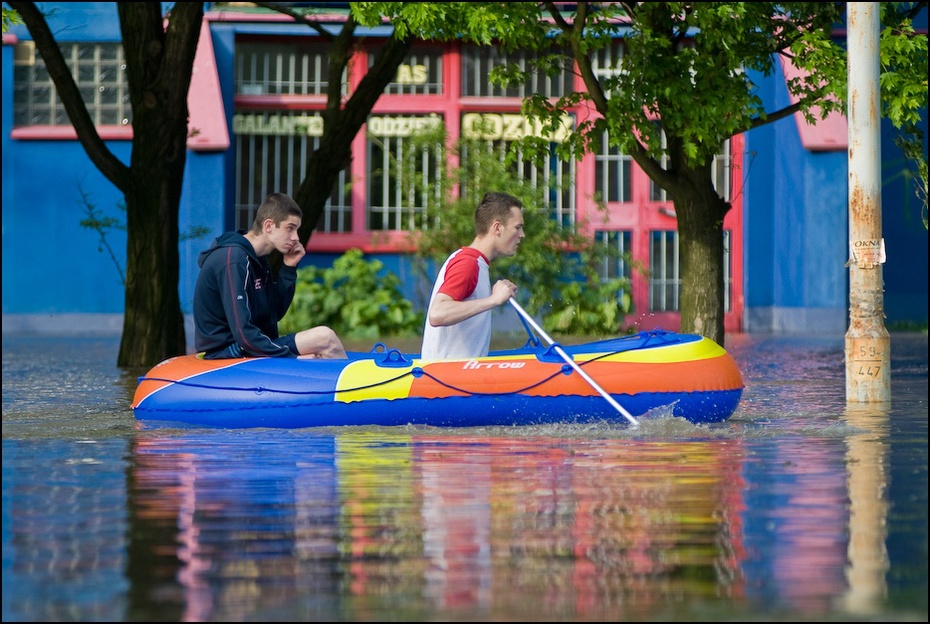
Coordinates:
<point>565,356</point>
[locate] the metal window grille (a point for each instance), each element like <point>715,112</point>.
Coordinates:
<point>292,68</point>
<point>555,175</point>
<point>612,173</point>
<point>268,163</point>
<point>478,61</point>
<point>99,71</point>
<point>404,178</point>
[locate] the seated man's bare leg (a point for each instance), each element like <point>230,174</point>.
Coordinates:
<point>320,342</point>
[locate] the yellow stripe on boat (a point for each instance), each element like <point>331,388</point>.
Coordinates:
<point>366,380</point>
<point>702,349</point>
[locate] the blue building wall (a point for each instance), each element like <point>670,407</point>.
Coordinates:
<point>795,224</point>
<point>204,200</point>
<point>54,270</point>
<point>74,284</point>
<point>56,276</point>
<point>905,271</point>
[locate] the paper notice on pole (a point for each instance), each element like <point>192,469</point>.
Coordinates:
<point>867,254</point>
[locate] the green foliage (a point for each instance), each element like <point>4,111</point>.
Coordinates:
<point>903,80</point>
<point>556,267</point>
<point>102,225</point>
<point>354,298</point>
<point>699,85</point>
<point>10,18</point>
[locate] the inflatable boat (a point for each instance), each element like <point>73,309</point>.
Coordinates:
<point>615,380</point>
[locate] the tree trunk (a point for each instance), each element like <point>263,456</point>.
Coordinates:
<point>700,238</point>
<point>153,325</point>
<point>159,65</point>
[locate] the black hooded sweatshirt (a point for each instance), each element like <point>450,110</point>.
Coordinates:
<point>237,299</point>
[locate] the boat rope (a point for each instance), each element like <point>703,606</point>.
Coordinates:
<point>417,371</point>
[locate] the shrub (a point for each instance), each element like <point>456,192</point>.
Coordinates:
<point>355,297</point>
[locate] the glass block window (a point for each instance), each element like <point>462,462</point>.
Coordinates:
<point>419,74</point>
<point>665,271</point>
<point>477,62</point>
<point>402,173</point>
<point>612,173</point>
<point>616,263</point>
<point>292,68</point>
<point>272,151</point>
<point>99,70</point>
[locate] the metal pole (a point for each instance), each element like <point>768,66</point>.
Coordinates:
<point>868,345</point>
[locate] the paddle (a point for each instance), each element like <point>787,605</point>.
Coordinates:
<point>568,360</point>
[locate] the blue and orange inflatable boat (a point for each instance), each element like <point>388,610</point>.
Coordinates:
<point>690,375</point>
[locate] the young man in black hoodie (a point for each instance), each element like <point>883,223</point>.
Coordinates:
<point>237,300</point>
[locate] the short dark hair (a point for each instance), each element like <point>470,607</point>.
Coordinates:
<point>494,206</point>
<point>277,207</point>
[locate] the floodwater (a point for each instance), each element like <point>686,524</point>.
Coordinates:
<point>801,507</point>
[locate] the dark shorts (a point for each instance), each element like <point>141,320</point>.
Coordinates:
<point>235,351</point>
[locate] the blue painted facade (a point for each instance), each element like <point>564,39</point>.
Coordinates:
<point>795,224</point>
<point>58,278</point>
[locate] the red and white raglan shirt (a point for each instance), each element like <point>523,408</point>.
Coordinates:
<point>464,275</point>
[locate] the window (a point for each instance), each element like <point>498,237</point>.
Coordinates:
<point>665,271</point>
<point>291,68</point>
<point>612,173</point>
<point>99,71</point>
<point>478,61</point>
<point>616,262</point>
<point>607,65</point>
<point>656,192</point>
<point>402,171</point>
<point>272,151</point>
<point>720,172</point>
<point>727,271</point>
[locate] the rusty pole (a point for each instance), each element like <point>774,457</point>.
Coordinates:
<point>868,345</point>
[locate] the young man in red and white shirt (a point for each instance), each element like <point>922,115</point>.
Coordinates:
<point>458,319</point>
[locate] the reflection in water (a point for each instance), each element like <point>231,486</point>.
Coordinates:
<point>64,541</point>
<point>795,526</point>
<point>479,526</point>
<point>234,523</point>
<point>800,507</point>
<point>867,469</point>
